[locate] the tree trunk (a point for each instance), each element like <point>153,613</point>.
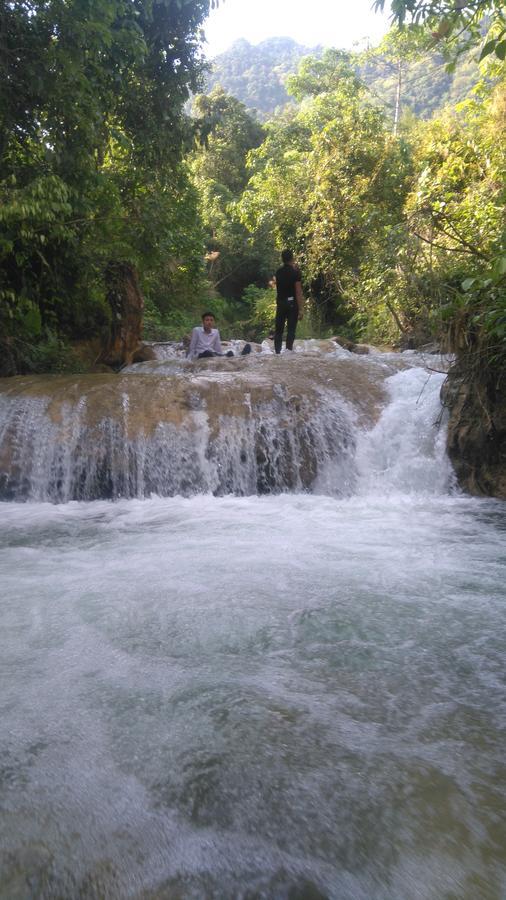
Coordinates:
<point>127,305</point>
<point>397,113</point>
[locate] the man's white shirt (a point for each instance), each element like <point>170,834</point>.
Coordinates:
<point>202,341</point>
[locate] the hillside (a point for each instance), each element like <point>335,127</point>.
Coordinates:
<point>256,75</point>
<point>426,85</point>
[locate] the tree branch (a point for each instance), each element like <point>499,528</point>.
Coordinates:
<point>441,247</point>
<point>458,236</point>
<point>394,313</point>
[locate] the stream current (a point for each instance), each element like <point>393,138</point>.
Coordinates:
<point>297,695</point>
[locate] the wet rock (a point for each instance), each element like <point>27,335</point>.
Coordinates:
<point>7,358</point>
<point>144,353</point>
<point>477,430</point>
<point>26,873</point>
<point>432,347</point>
<point>361,349</point>
<point>351,346</point>
<point>414,338</point>
<point>343,342</point>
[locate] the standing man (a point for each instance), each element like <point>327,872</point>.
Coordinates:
<point>289,301</point>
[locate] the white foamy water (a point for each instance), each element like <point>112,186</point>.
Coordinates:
<point>292,696</point>
<point>405,451</point>
<point>255,425</point>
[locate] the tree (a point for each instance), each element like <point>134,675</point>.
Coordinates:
<point>459,23</point>
<point>328,182</point>
<point>456,209</point>
<point>394,57</point>
<point>93,135</point>
<point>220,173</point>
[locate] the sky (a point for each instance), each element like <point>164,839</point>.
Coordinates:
<point>332,23</point>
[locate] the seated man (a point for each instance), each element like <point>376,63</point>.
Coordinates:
<point>205,340</point>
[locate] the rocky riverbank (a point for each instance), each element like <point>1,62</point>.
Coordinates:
<point>476,399</point>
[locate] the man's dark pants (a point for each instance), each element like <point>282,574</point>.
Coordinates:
<point>286,311</point>
<point>207,354</point>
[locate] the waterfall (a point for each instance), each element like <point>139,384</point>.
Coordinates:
<point>405,451</point>
<point>241,426</point>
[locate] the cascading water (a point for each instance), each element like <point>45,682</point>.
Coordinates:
<point>171,429</point>
<point>295,695</point>
<point>405,451</point>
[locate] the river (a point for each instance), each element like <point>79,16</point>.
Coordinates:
<point>297,695</point>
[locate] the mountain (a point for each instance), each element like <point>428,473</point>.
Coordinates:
<point>256,75</point>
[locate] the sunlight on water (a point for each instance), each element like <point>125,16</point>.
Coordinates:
<point>293,696</point>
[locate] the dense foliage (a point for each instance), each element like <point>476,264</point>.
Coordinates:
<point>257,75</point>
<point>400,235</point>
<point>459,24</point>
<point>235,258</point>
<point>397,222</point>
<point>92,140</point>
<point>327,181</point>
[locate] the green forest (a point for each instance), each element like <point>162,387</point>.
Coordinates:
<point>384,171</point>
<point>257,74</point>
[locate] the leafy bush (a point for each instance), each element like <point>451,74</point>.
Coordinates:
<point>261,305</point>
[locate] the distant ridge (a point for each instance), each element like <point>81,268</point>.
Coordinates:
<point>256,75</point>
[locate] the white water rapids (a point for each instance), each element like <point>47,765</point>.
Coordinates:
<point>298,695</point>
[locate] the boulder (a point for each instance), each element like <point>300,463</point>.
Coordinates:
<point>432,347</point>
<point>144,353</point>
<point>477,430</point>
<point>351,346</point>
<point>361,349</point>
<point>343,342</point>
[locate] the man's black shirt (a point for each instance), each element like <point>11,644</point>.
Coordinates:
<point>286,277</point>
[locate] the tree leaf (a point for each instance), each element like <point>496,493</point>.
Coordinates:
<point>487,49</point>
<point>500,50</point>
